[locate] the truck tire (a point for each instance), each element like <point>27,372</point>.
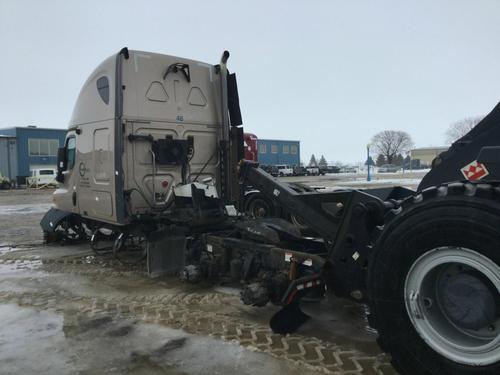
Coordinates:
<point>434,282</point>
<point>258,206</point>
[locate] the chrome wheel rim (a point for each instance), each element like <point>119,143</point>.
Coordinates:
<point>449,293</point>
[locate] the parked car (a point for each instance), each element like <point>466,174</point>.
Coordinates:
<point>300,171</point>
<point>388,168</point>
<point>271,169</point>
<point>348,170</point>
<point>42,177</point>
<point>285,170</point>
<point>329,169</point>
<point>313,171</point>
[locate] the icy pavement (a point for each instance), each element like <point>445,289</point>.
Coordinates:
<point>44,342</point>
<point>66,311</point>
<point>24,209</point>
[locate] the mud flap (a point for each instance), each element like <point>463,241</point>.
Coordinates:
<point>52,218</point>
<point>165,254</point>
<point>288,319</point>
<point>291,317</point>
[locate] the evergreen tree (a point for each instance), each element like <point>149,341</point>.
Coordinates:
<point>313,162</point>
<point>322,162</point>
<point>381,160</point>
<point>398,160</point>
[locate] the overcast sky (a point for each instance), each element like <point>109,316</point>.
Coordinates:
<point>328,73</point>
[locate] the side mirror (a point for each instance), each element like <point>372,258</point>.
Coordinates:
<point>61,164</point>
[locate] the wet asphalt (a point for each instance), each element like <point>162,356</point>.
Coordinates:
<point>65,311</point>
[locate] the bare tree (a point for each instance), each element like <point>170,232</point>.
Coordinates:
<point>458,129</point>
<point>389,143</point>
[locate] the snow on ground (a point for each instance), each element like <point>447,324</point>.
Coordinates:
<point>386,181</point>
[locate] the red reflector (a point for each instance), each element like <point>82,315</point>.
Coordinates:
<point>164,184</point>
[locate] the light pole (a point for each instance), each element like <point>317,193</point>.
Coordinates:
<point>368,177</point>
<point>409,153</point>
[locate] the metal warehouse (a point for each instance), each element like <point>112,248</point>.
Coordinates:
<point>8,157</point>
<point>427,154</point>
<point>23,149</point>
<point>274,151</point>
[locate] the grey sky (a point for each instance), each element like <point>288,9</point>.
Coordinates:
<point>329,73</point>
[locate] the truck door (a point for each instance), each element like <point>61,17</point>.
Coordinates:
<point>66,196</point>
<point>96,173</point>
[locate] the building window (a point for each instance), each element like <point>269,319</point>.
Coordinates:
<point>34,147</point>
<point>54,146</point>
<point>293,149</point>
<point>262,149</point>
<point>274,149</point>
<point>286,149</point>
<point>43,147</point>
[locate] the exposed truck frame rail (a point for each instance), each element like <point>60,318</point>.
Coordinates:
<point>430,269</point>
<point>344,219</point>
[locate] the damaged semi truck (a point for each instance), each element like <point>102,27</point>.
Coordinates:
<point>153,166</point>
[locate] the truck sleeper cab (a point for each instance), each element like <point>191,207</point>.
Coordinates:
<point>143,124</point>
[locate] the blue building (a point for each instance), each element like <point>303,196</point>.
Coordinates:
<point>31,148</point>
<point>275,151</point>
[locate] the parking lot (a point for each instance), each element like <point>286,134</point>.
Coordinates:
<point>409,179</point>
<point>61,306</point>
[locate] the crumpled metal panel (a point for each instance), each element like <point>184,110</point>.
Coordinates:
<point>52,218</point>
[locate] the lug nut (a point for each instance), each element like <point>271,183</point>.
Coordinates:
<point>357,294</point>
<point>427,303</point>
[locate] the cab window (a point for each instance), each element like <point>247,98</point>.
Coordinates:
<point>103,88</point>
<point>70,152</point>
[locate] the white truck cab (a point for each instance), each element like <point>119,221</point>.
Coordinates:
<point>285,170</point>
<point>42,177</point>
<point>313,171</point>
<point>143,125</point>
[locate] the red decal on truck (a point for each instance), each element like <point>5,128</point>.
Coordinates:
<point>474,171</point>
